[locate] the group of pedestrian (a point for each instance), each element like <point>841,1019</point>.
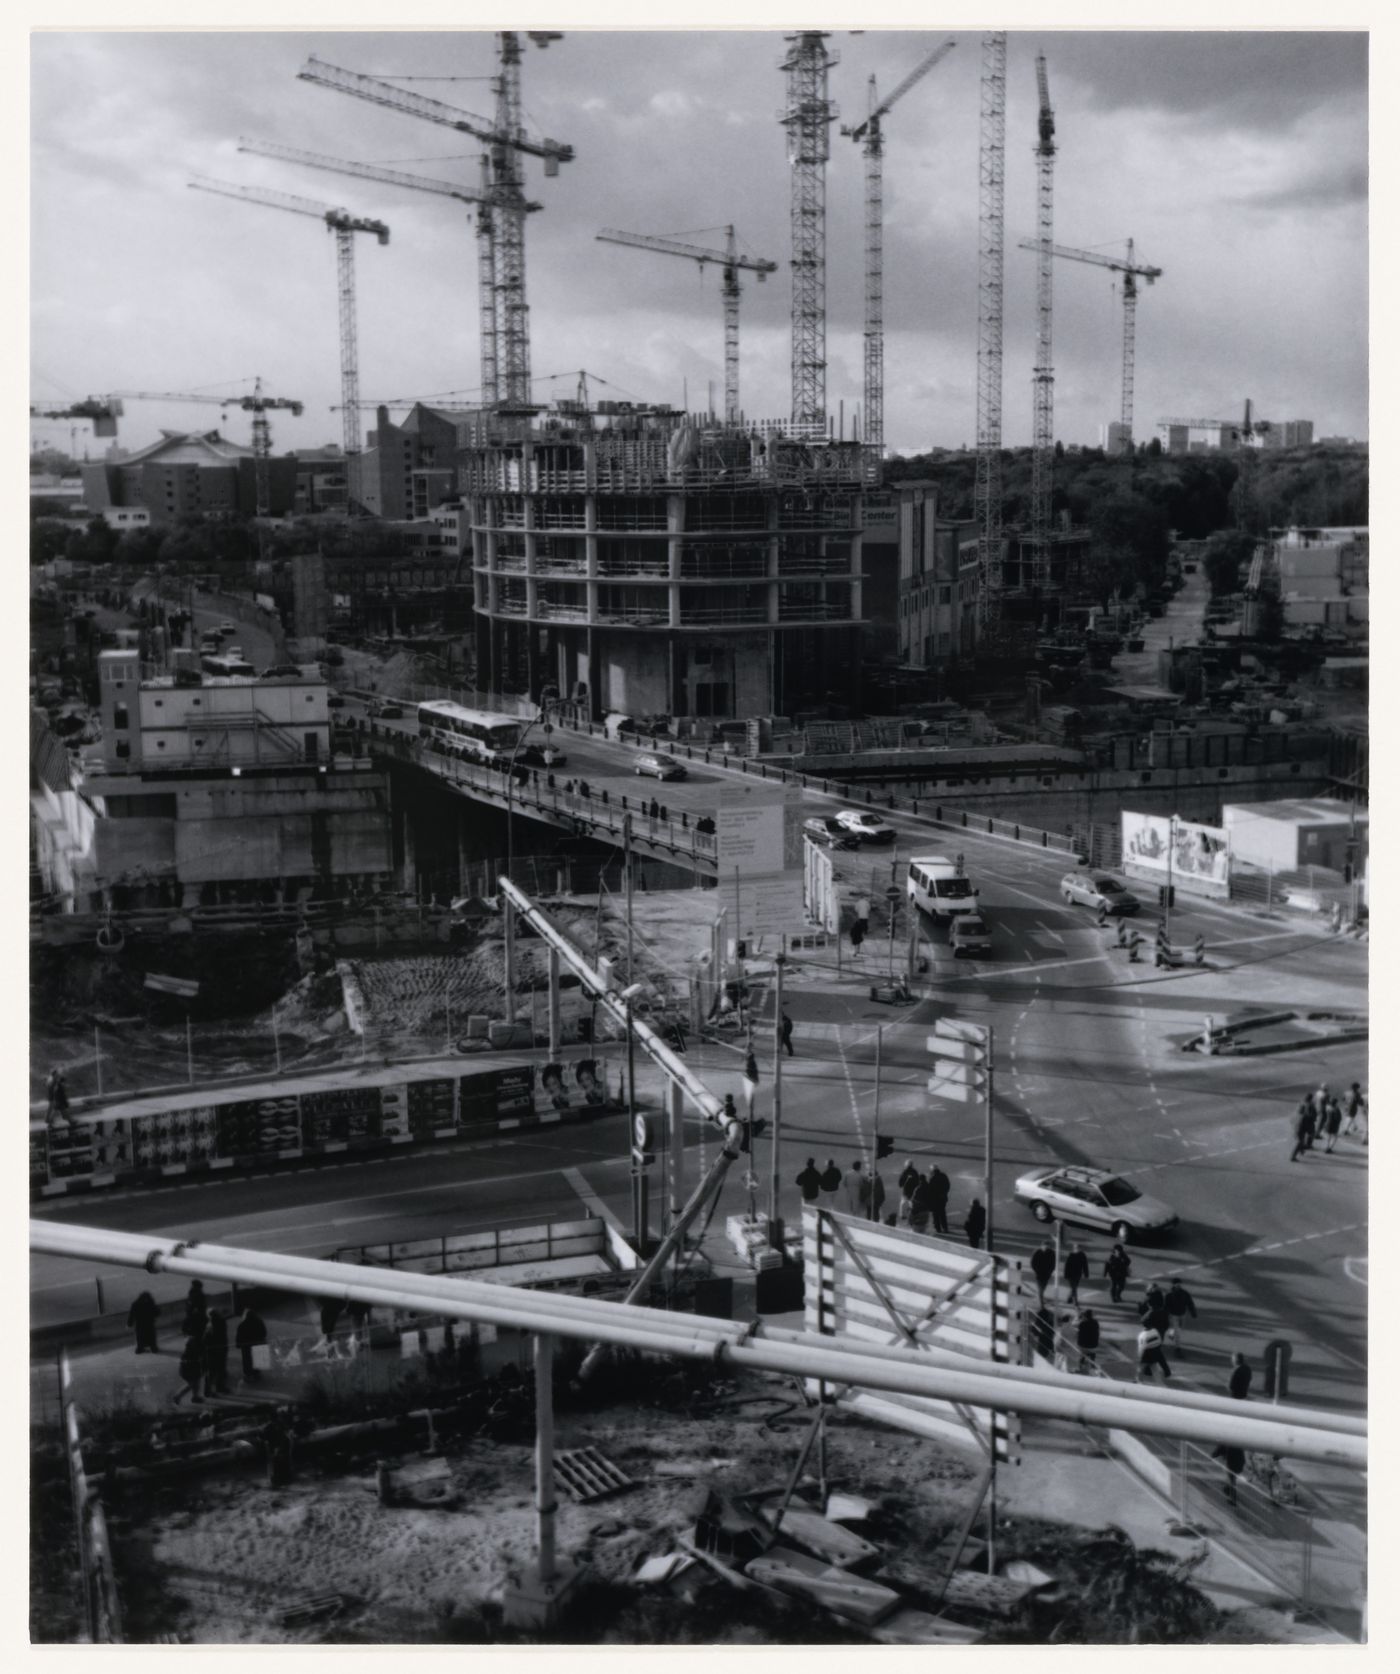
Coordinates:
<point>203,1362</point>
<point>1163,1315</point>
<point>1322,1116</point>
<point>923,1198</point>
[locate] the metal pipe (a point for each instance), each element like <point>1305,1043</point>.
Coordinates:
<point>544,1452</point>
<point>813,1357</point>
<point>774,1232</point>
<point>556,1033</point>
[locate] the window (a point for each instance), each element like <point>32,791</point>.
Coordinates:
<point>123,749</point>
<point>945,595</point>
<point>121,720</point>
<point>160,703</point>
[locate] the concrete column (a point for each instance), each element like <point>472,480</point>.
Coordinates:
<point>556,1031</point>
<point>544,1454</point>
<point>509,997</point>
<point>675,1148</point>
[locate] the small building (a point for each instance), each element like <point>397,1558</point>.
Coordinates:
<point>1304,831</point>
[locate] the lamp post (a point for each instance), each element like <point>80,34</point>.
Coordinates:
<point>545,711</point>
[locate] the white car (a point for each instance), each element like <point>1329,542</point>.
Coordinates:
<point>1093,1197</point>
<point>969,933</point>
<point>1095,889</point>
<point>868,827</point>
<point>659,767</point>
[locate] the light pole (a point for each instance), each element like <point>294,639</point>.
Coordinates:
<point>775,1225</point>
<point>545,710</point>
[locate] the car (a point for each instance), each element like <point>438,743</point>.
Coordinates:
<point>539,755</point>
<point>391,711</point>
<point>969,933</point>
<point>225,628</point>
<point>829,832</point>
<point>659,767</point>
<point>1097,889</point>
<point>1094,1197</point>
<point>867,827</point>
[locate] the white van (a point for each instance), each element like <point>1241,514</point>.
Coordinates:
<point>936,885</point>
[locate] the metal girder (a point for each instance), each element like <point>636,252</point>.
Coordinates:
<point>1043,430</point>
<point>991,183</point>
<point>807,117</point>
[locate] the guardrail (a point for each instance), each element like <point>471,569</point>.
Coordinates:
<point>101,1606</point>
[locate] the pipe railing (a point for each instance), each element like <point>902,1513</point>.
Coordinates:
<point>1292,1433</point>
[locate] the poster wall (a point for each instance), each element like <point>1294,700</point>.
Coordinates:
<point>1160,849</point>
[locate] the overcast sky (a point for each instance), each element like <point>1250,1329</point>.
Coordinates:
<point>1236,161</point>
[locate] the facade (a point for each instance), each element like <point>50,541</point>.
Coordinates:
<point>407,469</point>
<point>1284,836</point>
<point>1225,435</point>
<point>1324,578</point>
<point>937,600</point>
<point>1115,437</point>
<point>322,483</point>
<point>652,563</point>
<point>189,474</point>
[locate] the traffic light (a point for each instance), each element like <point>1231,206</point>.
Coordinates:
<point>884,1145</point>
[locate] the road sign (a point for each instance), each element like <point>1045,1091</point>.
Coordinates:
<point>641,1132</point>
<point>965,1051</point>
<point>955,1093</point>
<point>953,1028</point>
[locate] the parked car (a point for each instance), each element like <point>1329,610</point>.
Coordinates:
<point>830,832</point>
<point>969,933</point>
<point>1093,1197</point>
<point>868,827</point>
<point>659,767</point>
<point>1096,889</point>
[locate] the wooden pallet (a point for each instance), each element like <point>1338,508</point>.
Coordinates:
<point>585,1474</point>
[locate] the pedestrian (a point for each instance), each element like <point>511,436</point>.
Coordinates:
<point>785,1035</point>
<point>250,1333</point>
<point>1150,1354</point>
<point>216,1354</point>
<point>976,1223</point>
<point>191,1371</point>
<point>939,1185</point>
<point>1233,1459</point>
<point>1087,1337</point>
<point>1179,1304</point>
<point>142,1319</point>
<point>1331,1121</point>
<point>1240,1377</point>
<point>872,1197</point>
<point>1355,1106</point>
<point>1076,1271</point>
<point>1043,1266</point>
<point>830,1183</point>
<point>277,1444</point>
<point>857,1189</point>
<point>1304,1127</point>
<point>58,1095</point>
<point>920,1206</point>
<point>1043,1333</point>
<point>908,1176</point>
<point>1116,1270</point>
<point>330,1313</point>
<point>809,1181</point>
<point>1152,1310</point>
<point>196,1311</point>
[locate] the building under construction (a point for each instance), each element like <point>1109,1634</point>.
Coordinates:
<point>656,563</point>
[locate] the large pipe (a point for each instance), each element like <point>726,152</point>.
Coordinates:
<point>809,1356</point>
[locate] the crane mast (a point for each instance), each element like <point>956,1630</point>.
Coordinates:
<point>486,290</point>
<point>807,118</point>
<point>991,182</point>
<point>730,262</point>
<point>344,226</point>
<point>870,135</point>
<point>1043,445</point>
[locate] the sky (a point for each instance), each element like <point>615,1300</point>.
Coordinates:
<point>1236,161</point>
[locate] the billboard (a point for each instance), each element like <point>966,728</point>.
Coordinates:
<point>1161,849</point>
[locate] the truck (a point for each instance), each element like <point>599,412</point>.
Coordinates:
<point>940,886</point>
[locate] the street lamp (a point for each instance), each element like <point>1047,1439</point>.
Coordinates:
<point>545,710</point>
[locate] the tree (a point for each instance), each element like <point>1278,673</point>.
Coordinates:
<point>1227,551</point>
<point>1268,620</point>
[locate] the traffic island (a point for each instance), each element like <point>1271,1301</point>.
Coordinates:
<point>1276,1031</point>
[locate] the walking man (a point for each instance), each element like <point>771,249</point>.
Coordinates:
<point>1304,1127</point>
<point>191,1372</point>
<point>142,1318</point>
<point>1076,1271</point>
<point>1356,1103</point>
<point>920,1206</point>
<point>830,1183</point>
<point>216,1354</point>
<point>1150,1354</point>
<point>1331,1121</point>
<point>1179,1305</point>
<point>809,1181</point>
<point>1043,1266</point>
<point>857,1189</point>
<point>939,1185</point>
<point>251,1333</point>
<point>1116,1270</point>
<point>908,1177</point>
<point>1087,1337</point>
<point>1240,1377</point>
<point>976,1223</point>
<point>785,1035</point>
<point>1233,1460</point>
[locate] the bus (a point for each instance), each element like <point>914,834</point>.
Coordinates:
<point>220,665</point>
<point>475,733</point>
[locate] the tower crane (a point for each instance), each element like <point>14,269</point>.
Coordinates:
<point>870,135</point>
<point>479,198</point>
<point>102,415</point>
<point>256,403</point>
<point>1043,444</point>
<point>991,234</point>
<point>344,226</point>
<point>807,117</point>
<point>1132,272</point>
<point>730,262</point>
<point>506,137</point>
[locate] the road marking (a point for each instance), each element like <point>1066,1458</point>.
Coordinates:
<point>1356,1269</point>
<point>590,1198</point>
